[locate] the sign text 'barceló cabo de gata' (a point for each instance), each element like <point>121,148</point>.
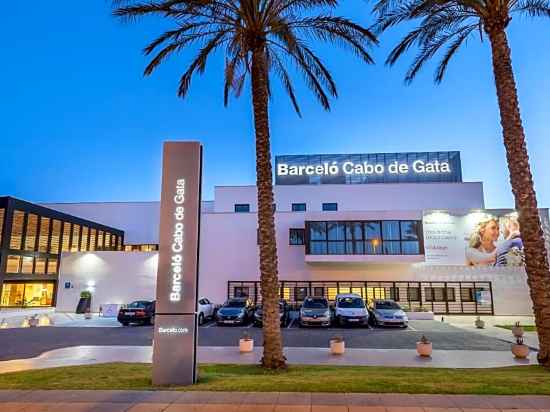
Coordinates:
<point>175,336</point>
<point>368,168</point>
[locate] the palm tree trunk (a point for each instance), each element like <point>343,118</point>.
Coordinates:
<point>536,257</point>
<point>273,357</point>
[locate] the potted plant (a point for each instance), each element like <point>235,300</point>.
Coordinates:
<point>337,345</point>
<point>44,320</point>
<point>3,324</point>
<point>517,330</point>
<point>33,321</point>
<point>25,323</point>
<point>246,343</point>
<point>424,347</point>
<point>519,349</point>
<point>85,301</point>
<point>480,324</point>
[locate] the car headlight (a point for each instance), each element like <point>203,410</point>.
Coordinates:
<point>326,314</point>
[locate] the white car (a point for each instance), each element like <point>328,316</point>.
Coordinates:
<point>350,309</point>
<point>205,310</point>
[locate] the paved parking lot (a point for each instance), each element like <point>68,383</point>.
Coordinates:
<point>30,342</point>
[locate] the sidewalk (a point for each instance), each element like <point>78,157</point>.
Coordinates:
<point>87,355</point>
<point>172,401</point>
<point>467,322</point>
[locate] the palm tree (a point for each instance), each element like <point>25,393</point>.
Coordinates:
<point>446,25</point>
<point>257,38</point>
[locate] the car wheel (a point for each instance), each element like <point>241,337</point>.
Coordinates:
<point>152,320</point>
<point>201,319</point>
<point>125,323</point>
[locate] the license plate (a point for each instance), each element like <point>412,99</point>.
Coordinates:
<point>353,320</point>
<point>130,314</point>
<point>228,321</point>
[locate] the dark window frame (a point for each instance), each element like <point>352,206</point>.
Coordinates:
<point>296,230</point>
<point>244,206</point>
<point>299,207</point>
<point>327,207</point>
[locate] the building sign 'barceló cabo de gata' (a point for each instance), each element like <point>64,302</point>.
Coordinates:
<point>175,337</point>
<point>368,168</point>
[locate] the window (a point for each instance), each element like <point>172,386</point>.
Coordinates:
<point>75,238</point>
<point>13,264</point>
<point>297,237</point>
<point>17,230</point>
<point>40,265</point>
<point>319,291</point>
<point>394,294</point>
<point>44,234</point>
<point>390,237</point>
<point>99,240</point>
<point>107,241</point>
<point>330,207</point>
<point>439,294</point>
<point>52,266</point>
<point>242,208</point>
<point>240,292</point>
<point>26,266</point>
<point>467,294</point>
<point>413,294</point>
<point>56,236</point>
<point>32,227</point>
<point>84,241</point>
<point>93,236</point>
<point>2,212</point>
<point>298,207</point>
<point>66,242</point>
<point>300,294</point>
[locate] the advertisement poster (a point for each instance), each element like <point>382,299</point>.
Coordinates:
<point>481,238</point>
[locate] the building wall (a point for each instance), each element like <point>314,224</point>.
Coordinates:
<point>391,196</point>
<point>112,277</point>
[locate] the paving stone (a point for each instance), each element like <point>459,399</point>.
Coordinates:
<point>292,408</point>
<point>366,408</point>
<point>261,398</point>
<point>398,399</point>
<point>329,408</point>
<point>110,407</point>
<point>508,402</point>
<point>256,408</point>
<point>181,407</point>
<point>229,398</point>
<point>160,397</point>
<point>149,407</point>
<point>294,398</point>
<point>328,399</point>
<point>537,402</point>
<point>363,399</point>
<point>404,409</point>
<point>430,409</point>
<point>11,396</point>
<point>471,402</point>
<point>192,397</point>
<point>433,401</point>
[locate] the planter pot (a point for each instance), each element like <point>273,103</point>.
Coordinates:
<point>424,349</point>
<point>44,320</point>
<point>520,351</point>
<point>517,331</point>
<point>3,324</point>
<point>33,322</point>
<point>246,345</point>
<point>480,324</point>
<point>337,347</point>
<point>88,315</point>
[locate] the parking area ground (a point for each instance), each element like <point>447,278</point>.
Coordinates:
<point>20,343</point>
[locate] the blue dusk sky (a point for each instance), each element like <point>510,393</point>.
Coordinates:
<point>81,123</point>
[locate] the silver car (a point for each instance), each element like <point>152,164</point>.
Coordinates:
<point>386,312</point>
<point>315,311</point>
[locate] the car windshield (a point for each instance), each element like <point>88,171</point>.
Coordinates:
<point>386,305</point>
<point>351,303</point>
<point>235,304</point>
<point>138,304</point>
<point>313,303</point>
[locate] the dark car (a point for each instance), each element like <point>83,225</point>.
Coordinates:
<point>284,314</point>
<point>236,311</point>
<point>139,311</point>
<point>315,311</point>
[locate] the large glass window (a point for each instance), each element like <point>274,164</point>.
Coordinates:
<point>52,266</point>
<point>40,265</point>
<point>99,240</point>
<point>56,236</point>
<point>12,294</point>
<point>296,237</point>
<point>17,230</point>
<point>93,235</point>
<point>44,234</point>
<point>30,235</point>
<point>27,294</point>
<point>107,241</point>
<point>391,237</point>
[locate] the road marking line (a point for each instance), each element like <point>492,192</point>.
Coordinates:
<point>412,328</point>
<point>290,324</point>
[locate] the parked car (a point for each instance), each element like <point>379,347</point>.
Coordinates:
<point>386,312</point>
<point>236,311</point>
<point>350,309</point>
<point>315,311</point>
<point>284,314</point>
<point>205,310</point>
<point>139,311</point>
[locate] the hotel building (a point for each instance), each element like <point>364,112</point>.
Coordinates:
<point>402,226</point>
